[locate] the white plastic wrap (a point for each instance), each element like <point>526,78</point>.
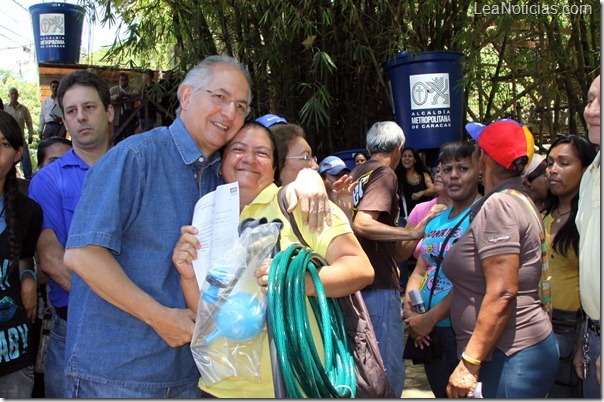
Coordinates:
<point>230,325</point>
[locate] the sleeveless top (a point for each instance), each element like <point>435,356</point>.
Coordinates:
<point>406,190</point>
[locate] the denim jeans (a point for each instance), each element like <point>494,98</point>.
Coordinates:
<point>18,384</point>
<point>567,345</point>
<point>54,368</point>
<point>591,388</point>
<point>529,373</point>
<point>26,161</point>
<point>80,388</point>
<point>439,371</point>
<point>384,306</point>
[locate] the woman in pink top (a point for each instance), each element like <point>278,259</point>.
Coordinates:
<point>411,247</point>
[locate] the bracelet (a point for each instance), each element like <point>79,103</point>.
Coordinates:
<point>29,271</point>
<point>470,360</point>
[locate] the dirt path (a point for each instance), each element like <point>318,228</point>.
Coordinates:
<point>416,383</point>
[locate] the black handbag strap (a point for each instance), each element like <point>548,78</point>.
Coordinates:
<point>282,200</point>
<point>440,258</point>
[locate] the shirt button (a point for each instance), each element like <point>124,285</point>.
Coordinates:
<point>201,159</point>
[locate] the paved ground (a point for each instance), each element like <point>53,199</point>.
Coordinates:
<point>416,384</point>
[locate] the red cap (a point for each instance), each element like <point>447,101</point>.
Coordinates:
<point>504,140</point>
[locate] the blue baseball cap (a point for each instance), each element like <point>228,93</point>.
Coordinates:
<point>332,165</point>
<point>270,120</point>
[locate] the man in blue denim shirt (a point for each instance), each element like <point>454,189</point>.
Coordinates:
<point>129,328</point>
<point>84,97</point>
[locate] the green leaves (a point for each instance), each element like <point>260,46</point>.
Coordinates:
<point>318,62</point>
<point>314,112</point>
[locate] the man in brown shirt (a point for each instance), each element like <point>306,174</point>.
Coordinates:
<point>375,213</point>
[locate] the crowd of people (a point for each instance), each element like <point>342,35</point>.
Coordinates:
<point>503,243</point>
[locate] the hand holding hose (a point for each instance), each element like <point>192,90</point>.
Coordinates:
<point>261,274</point>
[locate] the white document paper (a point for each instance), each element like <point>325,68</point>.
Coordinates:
<point>216,217</point>
<point>56,110</point>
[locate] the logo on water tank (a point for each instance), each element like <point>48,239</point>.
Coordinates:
<point>52,31</point>
<point>52,24</point>
<point>430,91</point>
<point>430,101</point>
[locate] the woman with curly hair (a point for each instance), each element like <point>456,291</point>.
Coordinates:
<point>20,222</point>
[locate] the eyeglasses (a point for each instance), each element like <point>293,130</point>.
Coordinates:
<point>222,100</point>
<point>306,158</point>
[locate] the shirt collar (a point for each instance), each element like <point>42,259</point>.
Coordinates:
<point>267,195</point>
<point>70,158</point>
<point>189,152</point>
<point>595,164</point>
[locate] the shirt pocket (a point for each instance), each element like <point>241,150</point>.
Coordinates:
<point>70,202</point>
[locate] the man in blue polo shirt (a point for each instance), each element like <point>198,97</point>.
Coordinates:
<point>87,113</point>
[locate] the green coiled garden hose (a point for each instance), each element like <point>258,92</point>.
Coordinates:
<point>303,372</point>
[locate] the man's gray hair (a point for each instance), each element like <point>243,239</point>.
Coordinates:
<point>384,137</point>
<point>201,75</point>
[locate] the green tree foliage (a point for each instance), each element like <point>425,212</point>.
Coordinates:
<point>97,58</point>
<point>29,95</point>
<point>319,63</point>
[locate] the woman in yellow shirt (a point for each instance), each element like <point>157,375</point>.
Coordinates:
<point>567,159</point>
<point>251,159</point>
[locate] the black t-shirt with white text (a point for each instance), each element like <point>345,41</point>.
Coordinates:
<point>16,350</point>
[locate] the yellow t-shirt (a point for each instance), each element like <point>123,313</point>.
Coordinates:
<point>266,205</point>
<point>564,272</point>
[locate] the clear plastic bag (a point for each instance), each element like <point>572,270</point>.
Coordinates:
<point>230,325</point>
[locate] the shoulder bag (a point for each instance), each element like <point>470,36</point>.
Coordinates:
<point>372,381</point>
